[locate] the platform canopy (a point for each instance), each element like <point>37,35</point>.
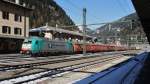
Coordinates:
<point>143,10</point>
<point>60,30</point>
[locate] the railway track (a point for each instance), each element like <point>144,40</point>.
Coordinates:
<point>53,72</point>
<point>19,57</point>
<point>45,61</point>
<point>56,65</point>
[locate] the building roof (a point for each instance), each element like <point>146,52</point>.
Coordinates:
<point>48,28</point>
<point>14,4</point>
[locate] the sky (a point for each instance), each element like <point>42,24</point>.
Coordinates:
<point>98,11</point>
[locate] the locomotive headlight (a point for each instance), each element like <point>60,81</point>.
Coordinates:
<point>27,46</point>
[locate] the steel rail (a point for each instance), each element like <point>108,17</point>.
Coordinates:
<point>63,69</point>
<point>29,65</point>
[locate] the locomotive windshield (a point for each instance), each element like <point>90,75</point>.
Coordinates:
<point>27,44</point>
<point>27,41</point>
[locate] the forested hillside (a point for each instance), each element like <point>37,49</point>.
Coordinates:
<point>47,11</point>
<point>122,28</point>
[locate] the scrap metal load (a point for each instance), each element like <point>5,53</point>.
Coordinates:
<point>93,47</point>
<point>39,46</point>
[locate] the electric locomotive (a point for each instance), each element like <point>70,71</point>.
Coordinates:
<point>41,46</point>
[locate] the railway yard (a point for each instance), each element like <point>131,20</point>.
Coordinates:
<point>42,42</point>
<point>17,68</point>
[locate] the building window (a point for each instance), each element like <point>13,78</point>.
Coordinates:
<point>6,29</point>
<point>18,18</point>
<point>5,15</point>
<point>17,31</point>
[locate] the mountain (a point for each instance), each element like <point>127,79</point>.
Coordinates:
<point>89,31</point>
<point>125,28</point>
<point>47,11</point>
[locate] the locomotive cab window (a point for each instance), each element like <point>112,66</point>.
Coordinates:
<point>27,42</point>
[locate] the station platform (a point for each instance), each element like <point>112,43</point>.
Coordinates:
<point>143,77</point>
<point>123,71</point>
<point>72,77</point>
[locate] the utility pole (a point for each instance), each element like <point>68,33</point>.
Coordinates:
<point>109,27</point>
<point>84,31</point>
<point>129,36</point>
<point>130,33</point>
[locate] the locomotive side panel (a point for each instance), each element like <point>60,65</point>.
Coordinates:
<point>50,46</point>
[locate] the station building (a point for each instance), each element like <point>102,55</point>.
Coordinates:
<point>14,25</point>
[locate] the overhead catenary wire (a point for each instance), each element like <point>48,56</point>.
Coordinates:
<point>80,9</point>
<point>92,24</point>
<point>72,11</point>
<point>130,6</point>
<point>119,3</point>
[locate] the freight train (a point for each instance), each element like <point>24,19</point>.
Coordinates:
<point>38,46</point>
